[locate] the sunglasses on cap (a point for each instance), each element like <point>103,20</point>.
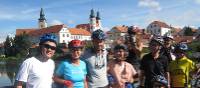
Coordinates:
<point>49,46</point>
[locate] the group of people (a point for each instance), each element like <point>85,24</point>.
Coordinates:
<point>166,66</point>
<point>163,67</point>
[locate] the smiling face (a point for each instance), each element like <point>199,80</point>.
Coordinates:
<point>120,54</point>
<point>48,49</point>
<point>168,42</point>
<point>98,44</point>
<point>76,53</point>
<point>154,47</point>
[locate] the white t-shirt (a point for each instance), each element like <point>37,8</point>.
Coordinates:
<point>36,74</point>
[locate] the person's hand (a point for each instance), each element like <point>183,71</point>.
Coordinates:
<point>168,86</point>
<point>68,84</point>
<point>121,84</point>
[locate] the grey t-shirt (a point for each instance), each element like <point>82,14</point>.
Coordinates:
<point>96,67</point>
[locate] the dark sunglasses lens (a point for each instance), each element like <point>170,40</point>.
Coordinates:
<point>49,47</point>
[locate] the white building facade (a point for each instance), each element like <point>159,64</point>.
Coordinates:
<point>159,28</point>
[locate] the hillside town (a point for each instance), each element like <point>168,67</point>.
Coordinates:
<point>131,57</point>
<point>83,31</point>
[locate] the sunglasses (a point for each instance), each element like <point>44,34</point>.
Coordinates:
<point>49,47</point>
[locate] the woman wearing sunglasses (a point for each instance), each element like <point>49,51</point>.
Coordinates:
<point>37,71</point>
<point>72,71</point>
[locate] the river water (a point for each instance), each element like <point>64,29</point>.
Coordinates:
<point>7,74</point>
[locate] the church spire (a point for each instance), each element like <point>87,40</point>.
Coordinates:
<point>42,21</point>
<point>41,15</point>
<point>92,15</point>
<point>98,21</point>
<point>98,16</point>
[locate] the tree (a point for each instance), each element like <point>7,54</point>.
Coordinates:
<point>8,47</point>
<point>188,31</point>
<point>22,44</point>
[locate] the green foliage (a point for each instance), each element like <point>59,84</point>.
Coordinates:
<point>195,46</point>
<point>88,44</point>
<point>8,46</point>
<point>19,47</point>
<point>188,31</point>
<point>22,44</point>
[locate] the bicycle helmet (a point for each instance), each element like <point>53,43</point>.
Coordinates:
<point>157,39</point>
<point>131,30</point>
<point>48,37</point>
<point>167,37</point>
<point>120,46</point>
<point>181,46</point>
<point>98,34</point>
<point>76,44</point>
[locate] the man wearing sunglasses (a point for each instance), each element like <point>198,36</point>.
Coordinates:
<point>154,67</point>
<point>96,61</point>
<point>37,71</point>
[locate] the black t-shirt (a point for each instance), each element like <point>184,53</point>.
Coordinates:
<point>167,52</point>
<point>133,59</point>
<point>153,67</point>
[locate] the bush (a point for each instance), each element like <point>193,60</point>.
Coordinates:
<point>195,46</point>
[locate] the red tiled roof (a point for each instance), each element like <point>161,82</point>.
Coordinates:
<point>161,24</point>
<point>51,29</point>
<point>37,32</point>
<point>76,31</point>
<point>27,31</point>
<point>124,29</point>
<point>183,38</point>
<point>121,28</point>
<point>83,26</point>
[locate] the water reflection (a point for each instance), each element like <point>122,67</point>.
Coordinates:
<point>7,73</point>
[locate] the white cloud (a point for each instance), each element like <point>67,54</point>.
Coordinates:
<point>70,22</point>
<point>31,10</point>
<point>105,29</point>
<point>16,15</point>
<point>5,16</point>
<point>188,18</point>
<point>56,22</point>
<point>197,1</point>
<point>4,34</point>
<point>150,4</point>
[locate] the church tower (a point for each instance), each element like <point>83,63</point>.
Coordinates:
<point>42,21</point>
<point>98,21</point>
<point>92,21</point>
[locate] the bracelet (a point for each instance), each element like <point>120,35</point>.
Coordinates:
<point>68,83</point>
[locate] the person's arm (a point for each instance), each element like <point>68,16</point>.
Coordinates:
<point>168,79</point>
<point>141,78</point>
<point>67,83</point>
<point>22,75</point>
<point>85,83</point>
<point>19,84</point>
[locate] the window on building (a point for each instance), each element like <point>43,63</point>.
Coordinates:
<point>63,41</point>
<point>63,35</point>
<point>154,25</point>
<point>67,35</point>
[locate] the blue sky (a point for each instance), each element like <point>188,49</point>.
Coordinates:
<point>25,13</point>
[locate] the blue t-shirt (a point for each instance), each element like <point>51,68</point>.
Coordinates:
<point>76,74</point>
